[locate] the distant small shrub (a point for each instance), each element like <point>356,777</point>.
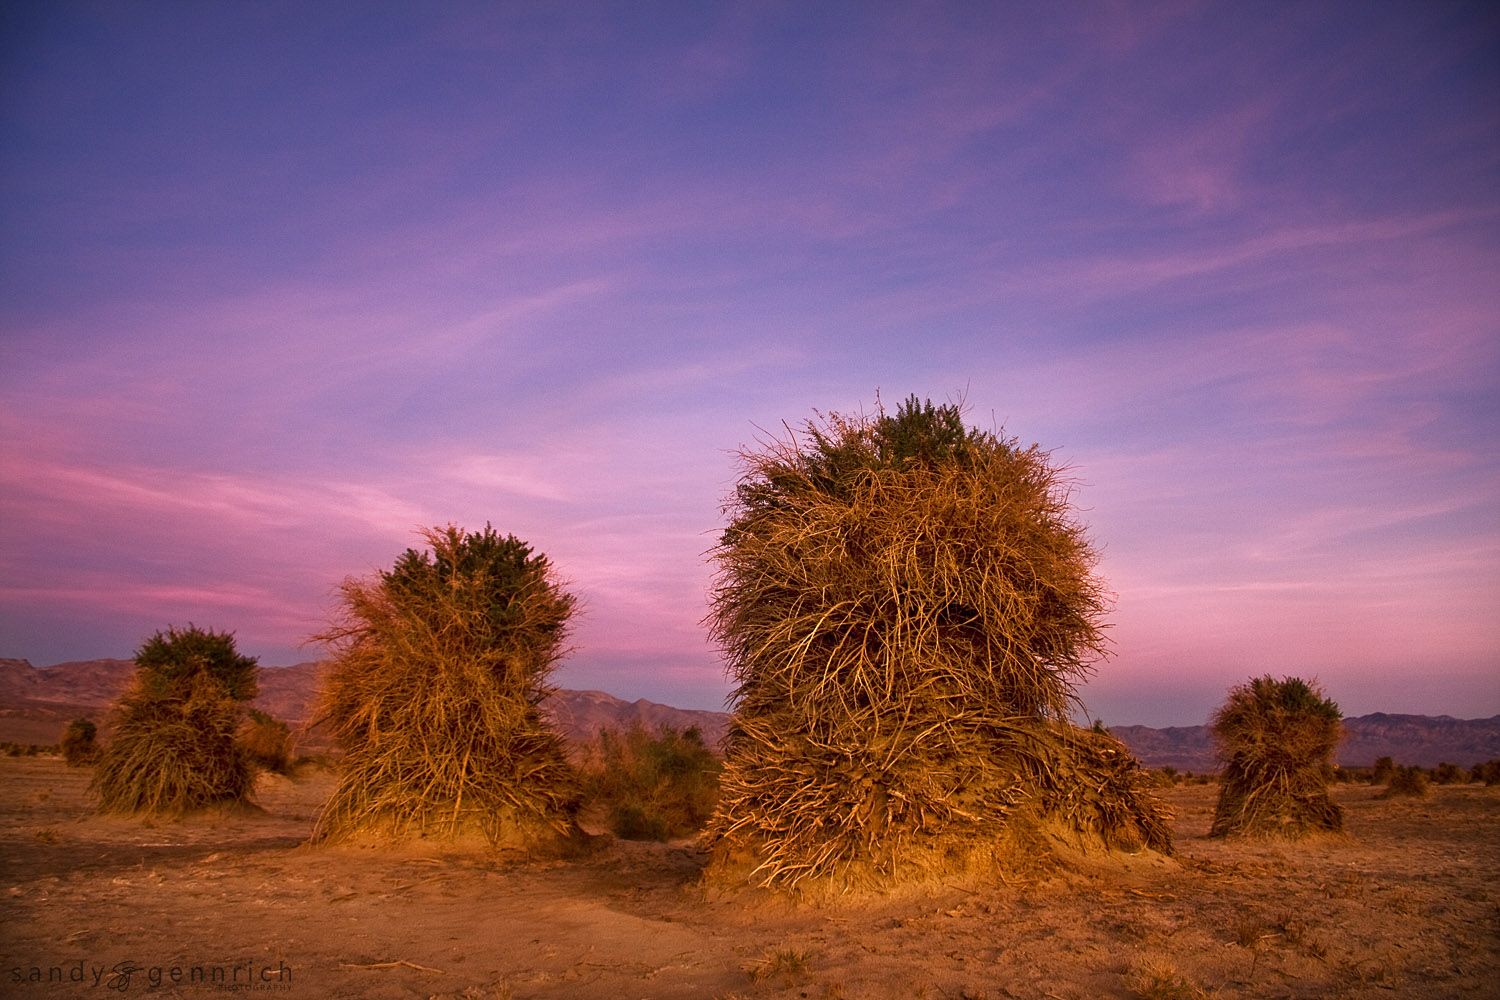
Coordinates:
<point>652,785</point>
<point>1276,739</point>
<point>267,741</point>
<point>1406,781</point>
<point>1448,774</point>
<point>1384,768</point>
<point>79,743</point>
<point>1488,772</point>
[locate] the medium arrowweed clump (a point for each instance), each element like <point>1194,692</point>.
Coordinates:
<point>1276,739</point>
<point>652,785</point>
<point>173,749</point>
<point>906,604</point>
<point>438,667</point>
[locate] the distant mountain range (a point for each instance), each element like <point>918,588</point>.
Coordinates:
<point>35,703</point>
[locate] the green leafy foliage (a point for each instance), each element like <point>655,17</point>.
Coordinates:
<point>174,747</point>
<point>175,664</point>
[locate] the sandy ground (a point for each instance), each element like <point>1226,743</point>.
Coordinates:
<point>1407,905</point>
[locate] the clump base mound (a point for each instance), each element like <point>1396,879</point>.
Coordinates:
<point>1048,795</point>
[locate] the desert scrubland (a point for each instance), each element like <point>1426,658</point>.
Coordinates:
<point>1406,904</point>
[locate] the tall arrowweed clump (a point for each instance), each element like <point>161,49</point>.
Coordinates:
<point>1276,739</point>
<point>906,605</point>
<point>173,749</point>
<point>438,667</point>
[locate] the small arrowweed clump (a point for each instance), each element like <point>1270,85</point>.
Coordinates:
<point>268,742</point>
<point>652,785</point>
<point>438,667</point>
<point>1448,774</point>
<point>1276,739</point>
<point>1488,772</point>
<point>79,743</point>
<point>1410,782</point>
<point>1381,773</point>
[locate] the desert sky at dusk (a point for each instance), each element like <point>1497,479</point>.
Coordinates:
<point>282,283</point>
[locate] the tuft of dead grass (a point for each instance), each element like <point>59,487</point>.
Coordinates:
<point>1158,979</point>
<point>787,964</point>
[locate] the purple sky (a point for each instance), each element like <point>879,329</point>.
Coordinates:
<point>280,283</point>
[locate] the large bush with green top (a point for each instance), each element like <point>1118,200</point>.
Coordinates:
<point>439,665</point>
<point>174,748</point>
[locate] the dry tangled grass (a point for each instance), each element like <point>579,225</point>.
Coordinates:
<point>905,605</point>
<point>439,665</point>
<point>1276,739</point>
<point>174,748</point>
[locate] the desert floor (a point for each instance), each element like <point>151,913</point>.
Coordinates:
<point>1408,905</point>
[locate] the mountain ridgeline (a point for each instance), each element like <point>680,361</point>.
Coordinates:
<point>36,702</point>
